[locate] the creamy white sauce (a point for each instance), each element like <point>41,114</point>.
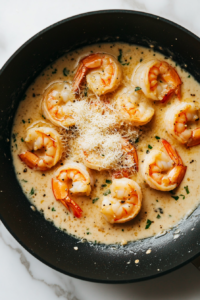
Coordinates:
<point>159,207</point>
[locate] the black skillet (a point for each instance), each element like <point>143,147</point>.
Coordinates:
<point>109,264</point>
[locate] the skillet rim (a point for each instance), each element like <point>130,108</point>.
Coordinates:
<point>99,12</point>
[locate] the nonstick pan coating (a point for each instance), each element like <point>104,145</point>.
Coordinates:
<point>100,263</point>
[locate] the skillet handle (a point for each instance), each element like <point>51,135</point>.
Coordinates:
<point>196,262</point>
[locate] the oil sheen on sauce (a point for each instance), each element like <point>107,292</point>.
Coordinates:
<point>164,209</point>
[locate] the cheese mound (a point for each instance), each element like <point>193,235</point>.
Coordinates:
<point>97,135</point>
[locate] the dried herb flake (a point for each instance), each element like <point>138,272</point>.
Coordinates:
<point>137,88</point>
<point>186,189</point>
<point>107,192</point>
<point>149,222</point>
<point>32,191</point>
<point>108,181</point>
<point>95,200</point>
<point>175,197</point>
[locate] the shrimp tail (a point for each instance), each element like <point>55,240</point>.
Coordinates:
<point>71,204</point>
<point>178,174</point>
<point>132,152</point>
<point>31,160</point>
<point>91,62</point>
<point>173,154</point>
<point>178,91</point>
<point>167,96</point>
<point>195,138</point>
<point>173,77</point>
<point>79,78</point>
<point>60,190</point>
<point>171,92</point>
<point>121,174</point>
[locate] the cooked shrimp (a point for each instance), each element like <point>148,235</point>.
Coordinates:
<point>157,79</point>
<point>180,120</point>
<point>124,203</point>
<point>133,111</point>
<point>130,164</point>
<point>47,144</point>
<point>72,178</point>
<point>102,71</point>
<point>164,172</point>
<point>57,104</point>
<point>130,158</point>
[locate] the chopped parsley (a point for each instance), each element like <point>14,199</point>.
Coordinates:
<point>24,180</point>
<point>54,71</point>
<point>88,233</point>
<point>148,224</point>
<point>102,155</point>
<point>188,76</point>
<point>175,197</point>
<point>22,139</point>
<point>65,72</point>
<point>156,200</point>
<point>158,216</point>
<point>150,147</point>
<point>137,88</point>
<point>104,185</point>
<point>182,196</point>
<point>141,59</point>
<point>95,200</point>
<point>108,181</point>
<point>32,191</point>
<point>53,209</point>
<point>23,121</point>
<point>147,152</point>
<point>157,137</point>
<point>122,229</point>
<point>186,189</point>
<point>120,56</point>
<point>107,192</point>
<point>43,117</point>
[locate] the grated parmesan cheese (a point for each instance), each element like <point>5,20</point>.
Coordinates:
<point>97,135</point>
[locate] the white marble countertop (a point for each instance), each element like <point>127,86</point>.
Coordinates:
<point>21,275</point>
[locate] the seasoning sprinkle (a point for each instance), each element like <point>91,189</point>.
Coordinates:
<point>186,189</point>
<point>149,222</point>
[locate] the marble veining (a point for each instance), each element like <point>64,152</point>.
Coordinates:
<point>66,292</point>
<point>21,275</point>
